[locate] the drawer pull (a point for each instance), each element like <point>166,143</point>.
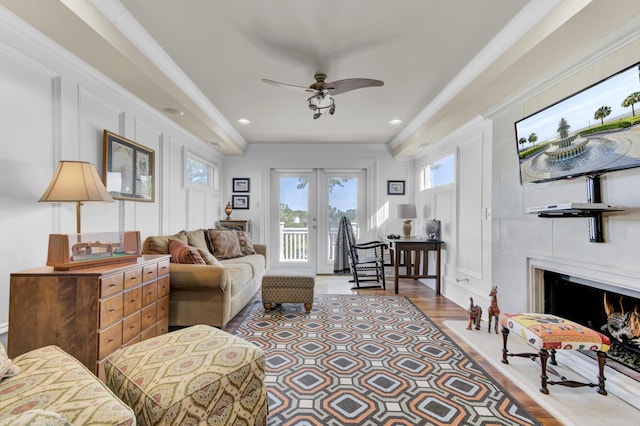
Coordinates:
<point>111,340</point>
<point>132,327</point>
<point>133,300</point>
<point>132,278</point>
<point>112,285</point>
<point>150,292</point>
<point>112,310</point>
<point>148,316</point>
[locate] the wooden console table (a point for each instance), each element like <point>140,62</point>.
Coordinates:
<point>415,253</point>
<point>90,312</point>
<point>237,225</point>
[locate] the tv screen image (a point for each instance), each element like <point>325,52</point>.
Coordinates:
<point>591,132</point>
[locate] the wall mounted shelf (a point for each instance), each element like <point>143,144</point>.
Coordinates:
<point>593,209</point>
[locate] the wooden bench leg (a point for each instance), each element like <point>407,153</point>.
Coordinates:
<point>602,359</point>
<point>505,351</point>
<point>544,355</point>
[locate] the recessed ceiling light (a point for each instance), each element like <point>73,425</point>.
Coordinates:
<point>395,121</point>
<point>173,111</point>
<point>244,121</point>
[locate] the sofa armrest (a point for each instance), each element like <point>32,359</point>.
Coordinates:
<point>260,249</point>
<point>198,277</point>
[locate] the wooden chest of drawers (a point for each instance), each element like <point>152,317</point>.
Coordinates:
<point>90,312</point>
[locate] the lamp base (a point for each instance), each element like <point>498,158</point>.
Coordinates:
<point>406,228</point>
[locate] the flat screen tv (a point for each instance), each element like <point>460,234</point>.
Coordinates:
<point>591,132</point>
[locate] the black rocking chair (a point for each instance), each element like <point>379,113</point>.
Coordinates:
<point>367,263</point>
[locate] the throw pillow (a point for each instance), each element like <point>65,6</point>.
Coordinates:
<point>225,244</point>
<point>160,244</point>
<point>208,258</point>
<point>196,239</point>
<point>7,369</point>
<point>246,246</point>
<point>184,253</point>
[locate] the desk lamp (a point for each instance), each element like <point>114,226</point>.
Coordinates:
<point>407,212</point>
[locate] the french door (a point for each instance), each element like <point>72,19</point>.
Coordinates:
<point>306,207</point>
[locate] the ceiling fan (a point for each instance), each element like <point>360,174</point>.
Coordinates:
<point>321,100</point>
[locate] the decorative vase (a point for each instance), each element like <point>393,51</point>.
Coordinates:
<point>406,228</point>
<point>228,210</point>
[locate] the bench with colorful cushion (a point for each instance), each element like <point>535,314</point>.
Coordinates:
<point>549,333</point>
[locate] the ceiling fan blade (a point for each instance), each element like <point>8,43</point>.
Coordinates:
<point>287,86</point>
<point>341,86</point>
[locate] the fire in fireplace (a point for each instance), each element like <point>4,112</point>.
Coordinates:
<point>600,308</point>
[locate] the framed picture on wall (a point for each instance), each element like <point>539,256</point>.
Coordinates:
<point>241,184</point>
<point>240,202</point>
<point>128,168</point>
<point>395,187</point>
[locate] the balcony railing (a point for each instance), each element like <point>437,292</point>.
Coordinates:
<point>295,243</point>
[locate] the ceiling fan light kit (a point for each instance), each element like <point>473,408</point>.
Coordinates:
<point>322,101</point>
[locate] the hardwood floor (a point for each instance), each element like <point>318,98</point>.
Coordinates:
<point>439,309</point>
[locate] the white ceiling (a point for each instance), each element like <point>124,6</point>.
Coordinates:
<point>442,62</point>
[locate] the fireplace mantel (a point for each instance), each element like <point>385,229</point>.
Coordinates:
<point>615,279</point>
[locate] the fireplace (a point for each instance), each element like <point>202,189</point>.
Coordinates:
<point>601,308</point>
<point>570,302</point>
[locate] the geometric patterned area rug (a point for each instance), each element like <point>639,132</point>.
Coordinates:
<point>370,360</point>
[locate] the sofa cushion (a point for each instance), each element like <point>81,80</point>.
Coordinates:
<point>256,261</point>
<point>196,239</point>
<point>208,258</point>
<point>184,253</point>
<point>160,244</point>
<point>7,368</point>
<point>239,274</point>
<point>246,245</point>
<point>51,379</point>
<point>225,244</point>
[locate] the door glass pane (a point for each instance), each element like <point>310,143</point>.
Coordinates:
<point>343,201</point>
<point>294,214</point>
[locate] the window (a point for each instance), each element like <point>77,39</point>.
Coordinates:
<point>437,173</point>
<point>199,172</point>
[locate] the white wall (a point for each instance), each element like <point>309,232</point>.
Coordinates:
<point>55,107</point>
<point>462,209</point>
<point>519,237</point>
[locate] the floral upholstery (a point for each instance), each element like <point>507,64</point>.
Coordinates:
<point>54,385</point>
<point>546,331</point>
<point>196,375</point>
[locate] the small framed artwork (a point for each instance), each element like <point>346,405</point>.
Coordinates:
<point>395,187</point>
<point>240,202</point>
<point>128,169</point>
<point>241,184</point>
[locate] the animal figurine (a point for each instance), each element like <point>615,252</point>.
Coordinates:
<point>494,310</point>
<point>475,315</point>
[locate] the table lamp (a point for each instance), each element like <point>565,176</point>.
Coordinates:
<point>75,182</point>
<point>407,212</point>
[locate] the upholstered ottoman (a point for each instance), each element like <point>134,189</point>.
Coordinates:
<point>549,333</point>
<point>196,375</point>
<point>288,284</point>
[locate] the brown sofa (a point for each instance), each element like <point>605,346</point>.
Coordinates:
<point>215,292</point>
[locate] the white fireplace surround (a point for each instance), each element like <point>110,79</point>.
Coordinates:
<point>617,383</point>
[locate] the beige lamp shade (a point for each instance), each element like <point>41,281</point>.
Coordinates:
<point>77,182</point>
<point>407,212</point>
